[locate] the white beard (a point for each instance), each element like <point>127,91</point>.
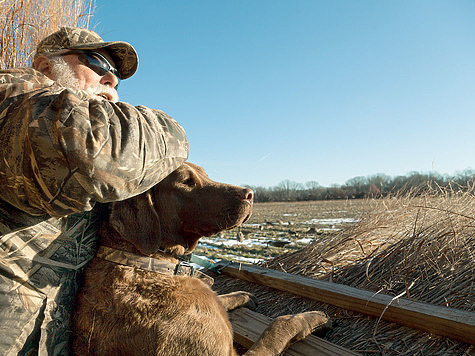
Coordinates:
<point>100,89</point>
<point>63,74</point>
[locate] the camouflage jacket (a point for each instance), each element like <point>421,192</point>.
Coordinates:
<point>64,152</point>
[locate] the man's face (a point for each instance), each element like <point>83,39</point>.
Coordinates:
<point>86,76</point>
<point>69,71</point>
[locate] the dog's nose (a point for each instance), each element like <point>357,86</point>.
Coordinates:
<point>248,194</point>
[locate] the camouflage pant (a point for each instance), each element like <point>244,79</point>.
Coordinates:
<point>40,269</point>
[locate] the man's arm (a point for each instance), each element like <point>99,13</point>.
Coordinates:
<point>63,150</point>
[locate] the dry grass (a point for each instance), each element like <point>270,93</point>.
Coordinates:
<point>418,247</point>
<point>24,23</point>
<point>421,246</point>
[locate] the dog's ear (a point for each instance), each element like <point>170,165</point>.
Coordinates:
<point>137,221</point>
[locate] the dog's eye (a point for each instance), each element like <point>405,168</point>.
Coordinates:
<point>189,182</point>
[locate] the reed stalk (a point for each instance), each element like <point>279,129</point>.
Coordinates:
<point>23,23</point>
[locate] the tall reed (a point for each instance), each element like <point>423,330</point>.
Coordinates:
<point>417,244</point>
<point>23,23</point>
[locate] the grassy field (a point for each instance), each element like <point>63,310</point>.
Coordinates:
<point>413,246</point>
<point>276,228</point>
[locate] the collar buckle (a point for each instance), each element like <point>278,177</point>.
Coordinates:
<point>184,269</point>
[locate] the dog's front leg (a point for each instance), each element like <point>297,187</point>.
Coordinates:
<point>238,299</point>
<point>286,330</point>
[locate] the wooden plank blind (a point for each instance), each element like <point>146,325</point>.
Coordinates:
<point>249,325</point>
<point>449,322</point>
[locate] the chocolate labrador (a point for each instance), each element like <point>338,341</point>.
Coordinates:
<point>138,298</point>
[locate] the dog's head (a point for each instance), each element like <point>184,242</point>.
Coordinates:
<point>175,213</point>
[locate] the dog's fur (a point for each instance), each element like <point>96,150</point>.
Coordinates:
<point>122,310</point>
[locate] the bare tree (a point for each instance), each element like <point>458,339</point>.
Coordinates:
<point>289,189</point>
<point>374,186</point>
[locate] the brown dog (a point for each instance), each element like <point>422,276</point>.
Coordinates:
<point>137,299</point>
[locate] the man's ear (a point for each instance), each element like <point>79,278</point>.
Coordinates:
<point>43,64</point>
<point>137,221</point>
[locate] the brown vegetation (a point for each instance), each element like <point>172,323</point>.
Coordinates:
<point>24,23</point>
<point>414,246</point>
<point>404,245</point>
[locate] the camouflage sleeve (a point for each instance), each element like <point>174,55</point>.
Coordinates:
<point>63,150</point>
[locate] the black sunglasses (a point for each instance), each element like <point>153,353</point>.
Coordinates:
<point>97,62</point>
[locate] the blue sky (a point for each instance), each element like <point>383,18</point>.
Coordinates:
<point>306,90</point>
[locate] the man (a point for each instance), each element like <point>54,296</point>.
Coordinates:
<point>67,145</point>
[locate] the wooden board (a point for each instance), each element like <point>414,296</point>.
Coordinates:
<point>449,322</point>
<point>249,325</point>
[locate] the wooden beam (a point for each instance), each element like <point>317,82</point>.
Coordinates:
<point>449,322</point>
<point>248,327</point>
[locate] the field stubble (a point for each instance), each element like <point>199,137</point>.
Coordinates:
<point>278,228</point>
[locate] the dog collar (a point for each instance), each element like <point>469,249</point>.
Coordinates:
<point>152,264</point>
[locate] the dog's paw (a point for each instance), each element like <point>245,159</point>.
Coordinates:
<point>251,301</point>
<point>305,323</point>
<point>238,299</point>
<point>286,330</point>
<point>317,320</point>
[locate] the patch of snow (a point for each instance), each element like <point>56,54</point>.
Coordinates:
<point>243,259</point>
<point>331,221</point>
<point>207,246</point>
<point>305,240</point>
<point>206,258</point>
<point>229,242</point>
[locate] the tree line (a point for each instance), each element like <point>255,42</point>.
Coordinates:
<point>374,186</point>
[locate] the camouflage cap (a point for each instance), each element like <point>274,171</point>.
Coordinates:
<point>123,54</point>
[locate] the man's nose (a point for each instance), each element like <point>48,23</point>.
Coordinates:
<point>109,79</point>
